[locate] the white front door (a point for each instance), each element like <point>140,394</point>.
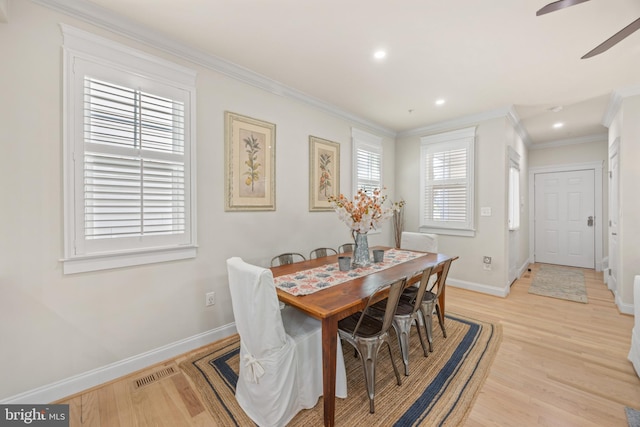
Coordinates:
<point>564,218</point>
<point>612,280</point>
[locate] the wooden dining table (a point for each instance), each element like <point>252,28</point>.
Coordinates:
<point>332,304</point>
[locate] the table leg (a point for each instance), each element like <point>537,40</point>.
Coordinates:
<point>441,302</point>
<point>329,351</point>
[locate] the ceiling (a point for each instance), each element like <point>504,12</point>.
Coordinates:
<point>480,56</point>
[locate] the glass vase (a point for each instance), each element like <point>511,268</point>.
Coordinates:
<point>361,256</point>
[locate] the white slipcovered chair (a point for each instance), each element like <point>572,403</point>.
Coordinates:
<point>280,350</point>
<point>422,242</point>
<point>634,353</point>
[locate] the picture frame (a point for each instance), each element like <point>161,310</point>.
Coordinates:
<point>250,163</point>
<point>324,173</point>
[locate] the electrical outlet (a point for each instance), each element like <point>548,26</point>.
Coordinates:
<point>210,298</point>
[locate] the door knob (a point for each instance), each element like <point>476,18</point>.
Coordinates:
<point>590,221</point>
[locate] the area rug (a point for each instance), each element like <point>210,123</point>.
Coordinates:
<point>559,282</point>
<point>440,389</point>
<point>633,417</point>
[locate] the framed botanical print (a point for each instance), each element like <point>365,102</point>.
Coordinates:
<point>250,169</point>
<point>324,173</point>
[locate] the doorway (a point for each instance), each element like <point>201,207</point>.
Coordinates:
<point>566,215</point>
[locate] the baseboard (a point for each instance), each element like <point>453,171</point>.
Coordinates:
<point>624,308</point>
<point>69,386</point>
<point>478,287</point>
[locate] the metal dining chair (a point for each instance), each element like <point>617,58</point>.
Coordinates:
<point>367,334</point>
<point>347,247</point>
<point>430,302</point>
<point>406,314</point>
<point>322,252</point>
<point>287,258</point>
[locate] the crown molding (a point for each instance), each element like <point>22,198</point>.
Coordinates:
<point>100,17</point>
<point>514,118</point>
<point>615,102</point>
<point>599,137</point>
<point>457,123</point>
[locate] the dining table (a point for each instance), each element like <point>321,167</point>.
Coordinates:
<point>333,303</point>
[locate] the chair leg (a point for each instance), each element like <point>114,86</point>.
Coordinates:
<point>394,364</point>
<point>428,325</point>
<point>444,331</point>
<point>368,356</point>
<point>418,330</point>
<point>403,328</point>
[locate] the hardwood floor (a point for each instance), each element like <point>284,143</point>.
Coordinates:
<point>561,363</point>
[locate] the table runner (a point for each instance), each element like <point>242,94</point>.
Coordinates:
<point>315,279</point>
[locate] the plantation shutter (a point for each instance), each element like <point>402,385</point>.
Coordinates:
<point>446,185</point>
<point>447,182</point>
<point>369,168</point>
<point>367,155</point>
<point>134,162</point>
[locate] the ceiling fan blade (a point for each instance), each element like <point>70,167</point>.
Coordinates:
<point>615,39</point>
<point>557,5</point>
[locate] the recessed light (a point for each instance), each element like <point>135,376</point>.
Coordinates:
<point>440,101</point>
<point>558,125</point>
<point>379,54</point>
<point>556,109</point>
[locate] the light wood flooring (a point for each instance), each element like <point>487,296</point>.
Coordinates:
<point>560,363</point>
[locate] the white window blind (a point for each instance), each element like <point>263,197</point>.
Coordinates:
<point>129,156</point>
<point>447,182</point>
<point>134,164</point>
<point>367,155</point>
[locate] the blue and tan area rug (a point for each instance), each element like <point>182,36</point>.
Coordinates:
<point>559,282</point>
<point>440,390</point>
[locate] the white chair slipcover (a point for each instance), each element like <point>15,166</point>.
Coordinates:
<point>419,242</point>
<point>280,350</point>
<point>634,353</point>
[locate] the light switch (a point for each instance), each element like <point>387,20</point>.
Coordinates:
<point>485,211</point>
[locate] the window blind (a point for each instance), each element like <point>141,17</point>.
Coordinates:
<point>447,182</point>
<point>369,168</point>
<point>446,191</point>
<point>134,166</point>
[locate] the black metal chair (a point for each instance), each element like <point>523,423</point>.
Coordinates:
<point>322,252</point>
<point>347,247</point>
<point>367,334</point>
<point>287,258</point>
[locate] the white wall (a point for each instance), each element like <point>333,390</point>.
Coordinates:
<point>491,172</point>
<point>53,326</point>
<point>626,127</point>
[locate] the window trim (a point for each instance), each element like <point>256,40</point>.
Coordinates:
<point>464,137</point>
<point>513,204</point>
<point>79,45</point>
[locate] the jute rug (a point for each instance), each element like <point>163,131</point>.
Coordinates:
<point>440,389</point>
<point>559,282</point>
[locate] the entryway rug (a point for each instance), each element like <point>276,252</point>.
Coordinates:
<point>559,282</point>
<point>633,417</point>
<point>440,389</point>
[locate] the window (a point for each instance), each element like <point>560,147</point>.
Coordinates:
<point>129,156</point>
<point>447,178</point>
<point>367,155</point>
<point>514,189</point>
